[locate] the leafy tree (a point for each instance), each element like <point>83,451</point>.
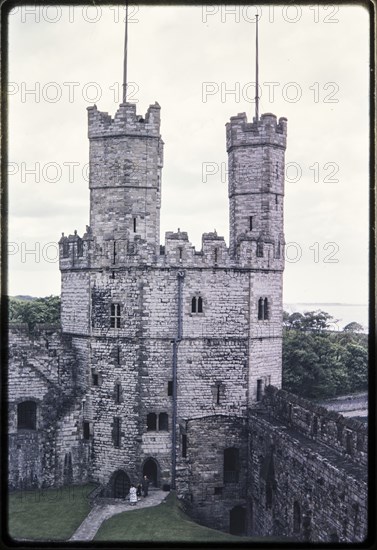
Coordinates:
<point>356,363</point>
<point>319,363</point>
<point>309,320</point>
<point>295,320</point>
<point>353,327</point>
<point>32,312</point>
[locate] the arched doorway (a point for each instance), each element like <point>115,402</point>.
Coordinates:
<point>237,521</point>
<point>150,469</point>
<point>121,484</point>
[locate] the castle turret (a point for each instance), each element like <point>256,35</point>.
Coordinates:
<point>256,189</point>
<point>126,158</point>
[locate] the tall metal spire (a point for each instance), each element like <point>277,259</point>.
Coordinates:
<point>125,57</point>
<point>256,72</point>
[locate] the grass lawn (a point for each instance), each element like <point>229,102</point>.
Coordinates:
<point>165,522</point>
<point>48,514</point>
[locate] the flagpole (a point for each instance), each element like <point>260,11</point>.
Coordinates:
<point>256,73</point>
<point>125,57</point>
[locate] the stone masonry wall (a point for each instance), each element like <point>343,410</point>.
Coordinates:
<point>256,184</point>
<point>41,367</point>
<point>347,436</point>
<point>301,485</point>
<point>126,158</point>
<point>210,495</point>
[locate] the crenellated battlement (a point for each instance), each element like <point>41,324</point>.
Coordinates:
<point>75,251</point>
<point>95,252</point>
<point>348,436</point>
<point>125,121</point>
<point>267,130</point>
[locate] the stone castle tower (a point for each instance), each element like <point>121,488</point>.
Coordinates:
<point>168,360</point>
<point>167,334</point>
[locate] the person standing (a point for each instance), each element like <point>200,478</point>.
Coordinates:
<point>145,484</point>
<point>133,496</point>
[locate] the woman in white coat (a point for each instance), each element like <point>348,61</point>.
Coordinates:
<point>133,496</point>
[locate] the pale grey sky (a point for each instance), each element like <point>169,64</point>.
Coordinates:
<point>314,70</point>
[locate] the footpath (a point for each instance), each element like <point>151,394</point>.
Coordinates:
<point>104,510</point>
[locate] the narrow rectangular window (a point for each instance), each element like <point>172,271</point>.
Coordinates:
<point>95,378</point>
<point>163,422</point>
<point>134,225</point>
<point>118,355</point>
<point>180,253</point>
<point>114,252</point>
<point>216,255</point>
<point>184,445</point>
<point>259,389</point>
<point>250,223</point>
<point>151,422</point>
<point>266,312</point>
<point>85,430</point>
<point>116,432</point>
<point>218,394</point>
<point>170,387</point>
<point>117,393</point>
<point>115,316</point>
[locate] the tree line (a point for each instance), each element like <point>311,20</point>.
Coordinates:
<point>317,362</point>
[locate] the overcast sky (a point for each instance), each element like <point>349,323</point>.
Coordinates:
<point>314,70</point>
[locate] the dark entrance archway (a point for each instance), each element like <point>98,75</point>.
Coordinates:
<point>237,521</point>
<point>121,484</point>
<point>150,469</point>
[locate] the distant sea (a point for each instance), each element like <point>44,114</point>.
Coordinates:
<point>342,313</point>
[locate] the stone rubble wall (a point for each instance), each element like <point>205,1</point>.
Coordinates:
<point>41,369</point>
